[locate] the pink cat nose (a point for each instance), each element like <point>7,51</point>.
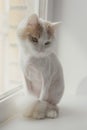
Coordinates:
<point>40,49</point>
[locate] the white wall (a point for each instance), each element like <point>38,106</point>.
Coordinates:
<point>72,42</point>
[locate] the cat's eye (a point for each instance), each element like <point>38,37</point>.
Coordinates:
<point>34,39</point>
<point>47,43</point>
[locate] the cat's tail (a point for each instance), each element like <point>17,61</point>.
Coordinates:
<point>36,109</point>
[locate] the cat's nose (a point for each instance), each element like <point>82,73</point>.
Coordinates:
<point>41,49</point>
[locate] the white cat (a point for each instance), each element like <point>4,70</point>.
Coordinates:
<point>41,68</point>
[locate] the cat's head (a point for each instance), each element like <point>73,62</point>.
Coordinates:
<point>37,35</point>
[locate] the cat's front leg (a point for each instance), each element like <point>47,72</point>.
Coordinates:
<point>44,89</point>
<point>51,108</point>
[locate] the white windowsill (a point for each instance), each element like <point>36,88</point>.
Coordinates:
<point>73,116</point>
<point>7,104</point>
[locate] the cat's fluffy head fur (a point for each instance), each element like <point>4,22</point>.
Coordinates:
<point>37,36</point>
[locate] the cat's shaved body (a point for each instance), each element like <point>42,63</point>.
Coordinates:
<point>41,68</point>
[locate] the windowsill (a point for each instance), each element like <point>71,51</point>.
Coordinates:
<point>7,104</point>
<point>73,115</point>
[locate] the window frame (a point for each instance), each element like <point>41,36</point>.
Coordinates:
<point>9,98</point>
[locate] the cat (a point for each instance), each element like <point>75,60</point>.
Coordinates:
<point>41,68</point>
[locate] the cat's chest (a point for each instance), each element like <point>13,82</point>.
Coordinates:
<point>46,66</point>
<point>40,63</point>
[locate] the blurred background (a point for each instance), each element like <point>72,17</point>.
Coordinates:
<point>72,43</point>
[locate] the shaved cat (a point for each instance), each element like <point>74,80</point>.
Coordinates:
<point>41,68</point>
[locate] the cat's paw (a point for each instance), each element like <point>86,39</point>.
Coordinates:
<point>52,111</point>
<point>39,111</point>
<point>52,114</point>
<point>38,115</point>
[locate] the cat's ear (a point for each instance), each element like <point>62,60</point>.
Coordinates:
<point>33,19</point>
<point>55,25</point>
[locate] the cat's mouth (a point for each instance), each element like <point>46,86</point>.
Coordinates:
<point>41,54</point>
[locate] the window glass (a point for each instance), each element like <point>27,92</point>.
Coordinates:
<point>11,13</point>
